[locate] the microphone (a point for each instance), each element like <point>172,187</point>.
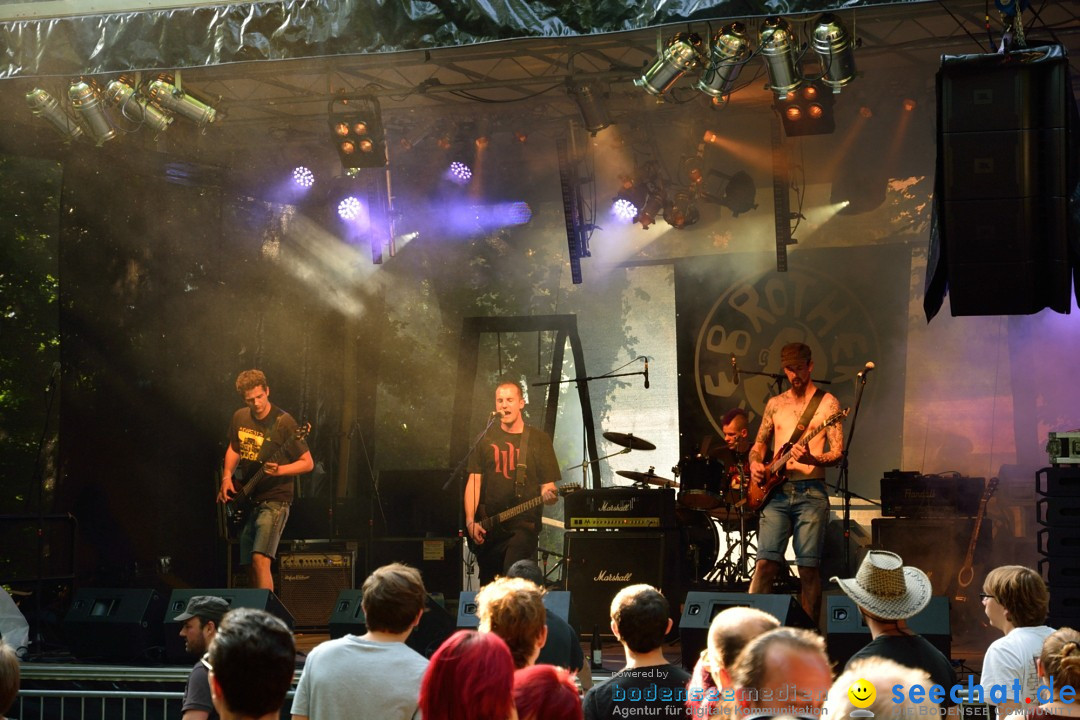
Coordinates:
<point>494,414</point>
<point>646,373</point>
<point>734,370</point>
<point>866,370</point>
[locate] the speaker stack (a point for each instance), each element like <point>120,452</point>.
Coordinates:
<point>115,624</point>
<point>1058,513</point>
<point>1003,178</point>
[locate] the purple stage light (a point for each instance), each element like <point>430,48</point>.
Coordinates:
<point>460,172</point>
<point>624,210</point>
<point>303,177</point>
<point>519,213</point>
<point>349,208</point>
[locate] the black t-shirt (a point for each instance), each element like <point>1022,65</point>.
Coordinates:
<point>656,692</point>
<point>256,441</point>
<point>496,458</point>
<point>563,646</point>
<point>914,651</point>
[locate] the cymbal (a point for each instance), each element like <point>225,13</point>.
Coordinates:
<point>628,440</point>
<point>647,477</point>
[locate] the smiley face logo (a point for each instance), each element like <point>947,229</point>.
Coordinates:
<point>861,693</point>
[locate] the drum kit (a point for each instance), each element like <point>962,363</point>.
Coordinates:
<point>716,530</point>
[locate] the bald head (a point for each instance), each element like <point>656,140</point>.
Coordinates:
<point>781,662</point>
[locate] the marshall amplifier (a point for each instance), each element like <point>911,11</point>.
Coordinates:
<point>907,494</point>
<point>620,508</point>
<point>600,563</point>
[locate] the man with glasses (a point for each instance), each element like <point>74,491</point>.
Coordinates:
<point>201,618</point>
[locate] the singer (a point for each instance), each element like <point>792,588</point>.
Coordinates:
<point>500,478</point>
<point>798,507</point>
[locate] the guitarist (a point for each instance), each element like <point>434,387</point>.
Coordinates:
<point>257,431</point>
<point>499,478</point>
<point>799,507</point>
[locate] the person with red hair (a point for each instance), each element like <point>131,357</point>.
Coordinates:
<point>546,692</point>
<point>470,677</point>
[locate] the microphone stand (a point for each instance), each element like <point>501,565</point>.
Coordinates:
<point>457,473</point>
<point>842,479</point>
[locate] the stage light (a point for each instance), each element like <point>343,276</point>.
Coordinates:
<point>739,194</point>
<point>833,45</point>
<point>459,172</point>
<point>809,111</point>
<point>909,104</point>
<point>172,97</point>
<point>653,206</point>
<point>729,52</point>
<point>521,137</point>
<point>357,131</point>
<point>303,177</point>
<point>45,105</point>
<point>135,107</point>
<point>591,105</point>
<point>866,112</point>
<point>87,103</point>
<point>778,45</point>
<point>682,54</point>
<point>683,211</point>
<point>482,142</point>
<point>624,210</point>
<point>349,208</point>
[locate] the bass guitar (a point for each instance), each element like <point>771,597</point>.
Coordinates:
<point>492,524</point>
<point>239,505</point>
<point>757,493</point>
<point>967,570</point>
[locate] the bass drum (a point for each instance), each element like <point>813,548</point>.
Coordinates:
<point>701,483</point>
<point>699,543</point>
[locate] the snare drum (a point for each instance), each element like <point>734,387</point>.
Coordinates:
<point>701,483</point>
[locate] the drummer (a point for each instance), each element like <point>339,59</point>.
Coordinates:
<point>736,427</point>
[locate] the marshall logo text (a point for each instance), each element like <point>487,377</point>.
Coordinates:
<point>606,576</point>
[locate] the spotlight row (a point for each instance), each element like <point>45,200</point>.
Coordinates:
<point>730,50</point>
<point>85,115</point>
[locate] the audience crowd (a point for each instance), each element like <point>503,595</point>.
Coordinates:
<point>751,667</point>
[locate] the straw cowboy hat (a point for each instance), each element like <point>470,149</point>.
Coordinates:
<point>887,589</point>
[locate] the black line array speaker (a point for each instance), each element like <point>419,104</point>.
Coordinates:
<point>115,624</point>
<point>438,559</point>
<point>236,597</point>
<point>309,582</point>
<point>435,626</point>
<point>701,607</point>
<point>1002,153</point>
<point>599,564</point>
<point>847,632</point>
<point>1058,540</point>
<point>556,601</point>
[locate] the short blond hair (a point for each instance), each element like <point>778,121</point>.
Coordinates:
<point>513,609</point>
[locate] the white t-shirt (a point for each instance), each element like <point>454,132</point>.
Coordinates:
<point>1011,657</point>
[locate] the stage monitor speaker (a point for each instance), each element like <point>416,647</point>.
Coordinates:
<point>309,582</point>
<point>555,601</point>
<point>438,559</point>
<point>599,564</point>
<point>847,632</point>
<point>1004,181</point>
<point>435,626</point>
<point>115,624</point>
<point>701,607</point>
<point>236,597</point>
<point>403,514</point>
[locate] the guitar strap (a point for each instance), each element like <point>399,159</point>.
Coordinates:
<point>521,469</point>
<point>807,416</point>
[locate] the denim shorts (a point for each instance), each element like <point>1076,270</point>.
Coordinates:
<point>799,510</point>
<point>262,532</point>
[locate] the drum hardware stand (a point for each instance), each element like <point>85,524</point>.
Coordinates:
<point>561,562</point>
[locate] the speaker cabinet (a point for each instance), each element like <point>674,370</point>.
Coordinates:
<point>701,607</point>
<point>599,564</point>
<point>435,626</point>
<point>556,601</point>
<point>439,560</point>
<point>1003,167</point>
<point>847,632</point>
<point>236,597</point>
<point>115,624</point>
<point>309,582</point>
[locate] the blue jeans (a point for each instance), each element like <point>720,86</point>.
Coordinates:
<point>262,531</point>
<point>798,510</point>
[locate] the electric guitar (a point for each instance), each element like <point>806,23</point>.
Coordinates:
<point>239,505</point>
<point>757,493</point>
<point>491,525</point>
<point>967,570</point>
